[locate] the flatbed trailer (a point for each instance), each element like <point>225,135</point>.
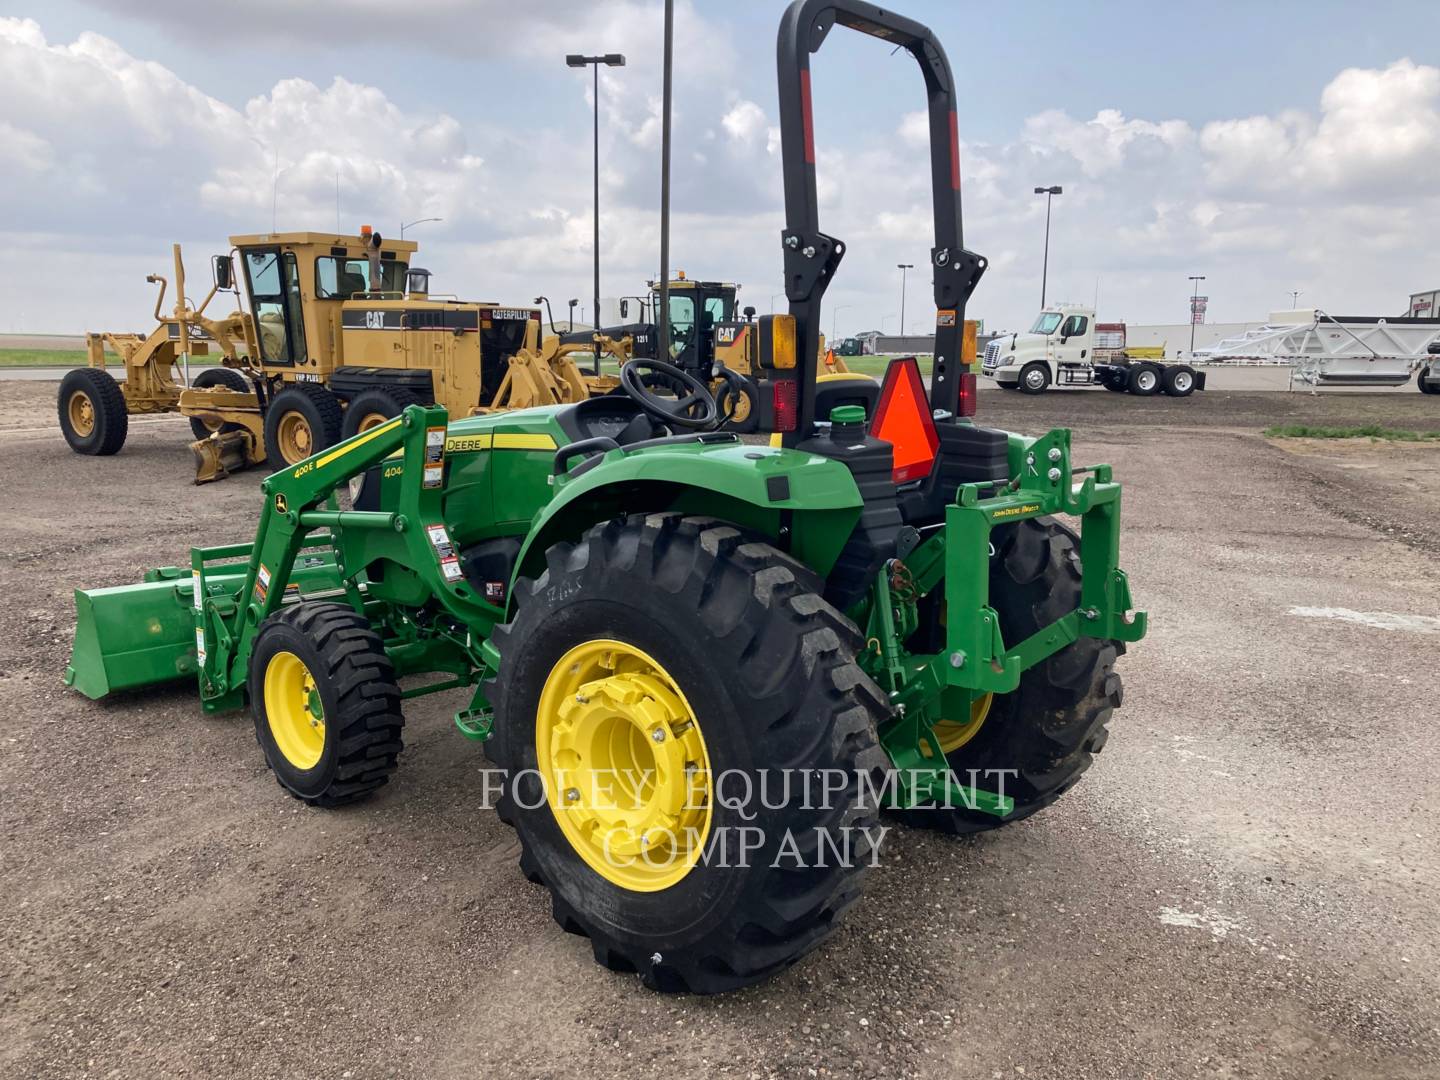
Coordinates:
<point>1340,350</point>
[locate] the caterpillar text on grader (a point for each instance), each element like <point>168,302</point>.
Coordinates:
<point>702,666</point>
<point>340,334</point>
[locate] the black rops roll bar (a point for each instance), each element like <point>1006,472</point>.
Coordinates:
<point>811,256</point>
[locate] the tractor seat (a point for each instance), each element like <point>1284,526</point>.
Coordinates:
<point>612,416</point>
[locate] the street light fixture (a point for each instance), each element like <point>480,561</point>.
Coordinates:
<point>412,224</point>
<point>578,60</point>
<point>1195,280</point>
<point>834,320</point>
<point>1048,192</point>
<point>903,267</point>
<point>1295,295</point>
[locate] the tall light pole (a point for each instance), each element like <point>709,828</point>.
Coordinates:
<point>666,78</point>
<point>1195,280</point>
<point>1048,192</point>
<point>834,320</point>
<point>412,224</point>
<point>772,301</point>
<point>577,60</point>
<point>1295,295</point>
<point>903,267</point>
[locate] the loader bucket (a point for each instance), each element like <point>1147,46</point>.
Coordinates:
<point>133,635</point>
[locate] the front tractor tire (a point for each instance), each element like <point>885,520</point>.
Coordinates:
<point>325,703</point>
<point>302,419</point>
<point>1044,734</point>
<point>672,648</point>
<point>93,417</point>
<point>1034,378</point>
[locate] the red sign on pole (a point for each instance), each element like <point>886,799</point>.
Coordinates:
<point>1197,309</point>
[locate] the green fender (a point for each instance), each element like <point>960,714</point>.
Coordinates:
<point>806,504</point>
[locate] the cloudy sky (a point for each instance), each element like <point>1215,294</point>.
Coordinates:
<point>1269,146</point>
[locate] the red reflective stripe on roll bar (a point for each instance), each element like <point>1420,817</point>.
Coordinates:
<point>809,123</point>
<point>954,152</point>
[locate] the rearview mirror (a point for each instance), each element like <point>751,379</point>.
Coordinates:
<point>223,278</point>
<point>624,310</point>
<point>749,312</point>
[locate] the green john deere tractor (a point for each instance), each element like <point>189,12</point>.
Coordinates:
<point>702,666</point>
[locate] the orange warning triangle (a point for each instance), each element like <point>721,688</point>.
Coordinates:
<point>903,419</point>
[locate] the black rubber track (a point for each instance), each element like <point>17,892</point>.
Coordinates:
<point>220,376</point>
<point>112,420</point>
<point>769,668</point>
<point>357,687</point>
<point>321,410</point>
<point>1047,731</point>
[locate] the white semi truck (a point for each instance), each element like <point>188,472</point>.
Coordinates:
<point>1067,347</point>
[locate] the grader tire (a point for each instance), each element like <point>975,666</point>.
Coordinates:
<point>1047,731</point>
<point>372,407</point>
<point>93,417</point>
<point>302,419</point>
<point>327,654</point>
<point>737,629</point>
<point>230,379</point>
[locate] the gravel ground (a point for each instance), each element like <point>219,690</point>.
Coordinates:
<point>1243,885</point>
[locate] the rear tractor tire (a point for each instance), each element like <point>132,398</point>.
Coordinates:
<point>230,379</point>
<point>302,419</point>
<point>1034,378</point>
<point>1047,731</point>
<point>671,648</point>
<point>1144,380</point>
<point>93,417</point>
<point>325,703</point>
<point>1178,380</point>
<point>371,408</point>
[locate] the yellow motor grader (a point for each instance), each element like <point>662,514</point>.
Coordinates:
<point>338,334</point>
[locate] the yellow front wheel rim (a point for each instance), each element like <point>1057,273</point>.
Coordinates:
<point>294,711</point>
<point>293,433</point>
<point>81,411</point>
<point>953,734</point>
<point>626,771</point>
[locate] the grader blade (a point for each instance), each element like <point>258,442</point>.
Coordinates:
<point>130,636</point>
<point>220,454</point>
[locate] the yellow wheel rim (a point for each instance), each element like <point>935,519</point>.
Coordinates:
<point>624,763</point>
<point>370,420</point>
<point>954,734</point>
<point>294,711</point>
<point>293,433</point>
<point>81,411</point>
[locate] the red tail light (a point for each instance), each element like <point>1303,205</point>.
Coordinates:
<point>968,390</point>
<point>785,402</point>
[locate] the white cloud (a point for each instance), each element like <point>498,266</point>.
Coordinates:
<point>107,157</point>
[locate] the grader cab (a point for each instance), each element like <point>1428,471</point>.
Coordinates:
<point>337,334</point>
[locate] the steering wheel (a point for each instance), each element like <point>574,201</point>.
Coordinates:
<point>692,407</point>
